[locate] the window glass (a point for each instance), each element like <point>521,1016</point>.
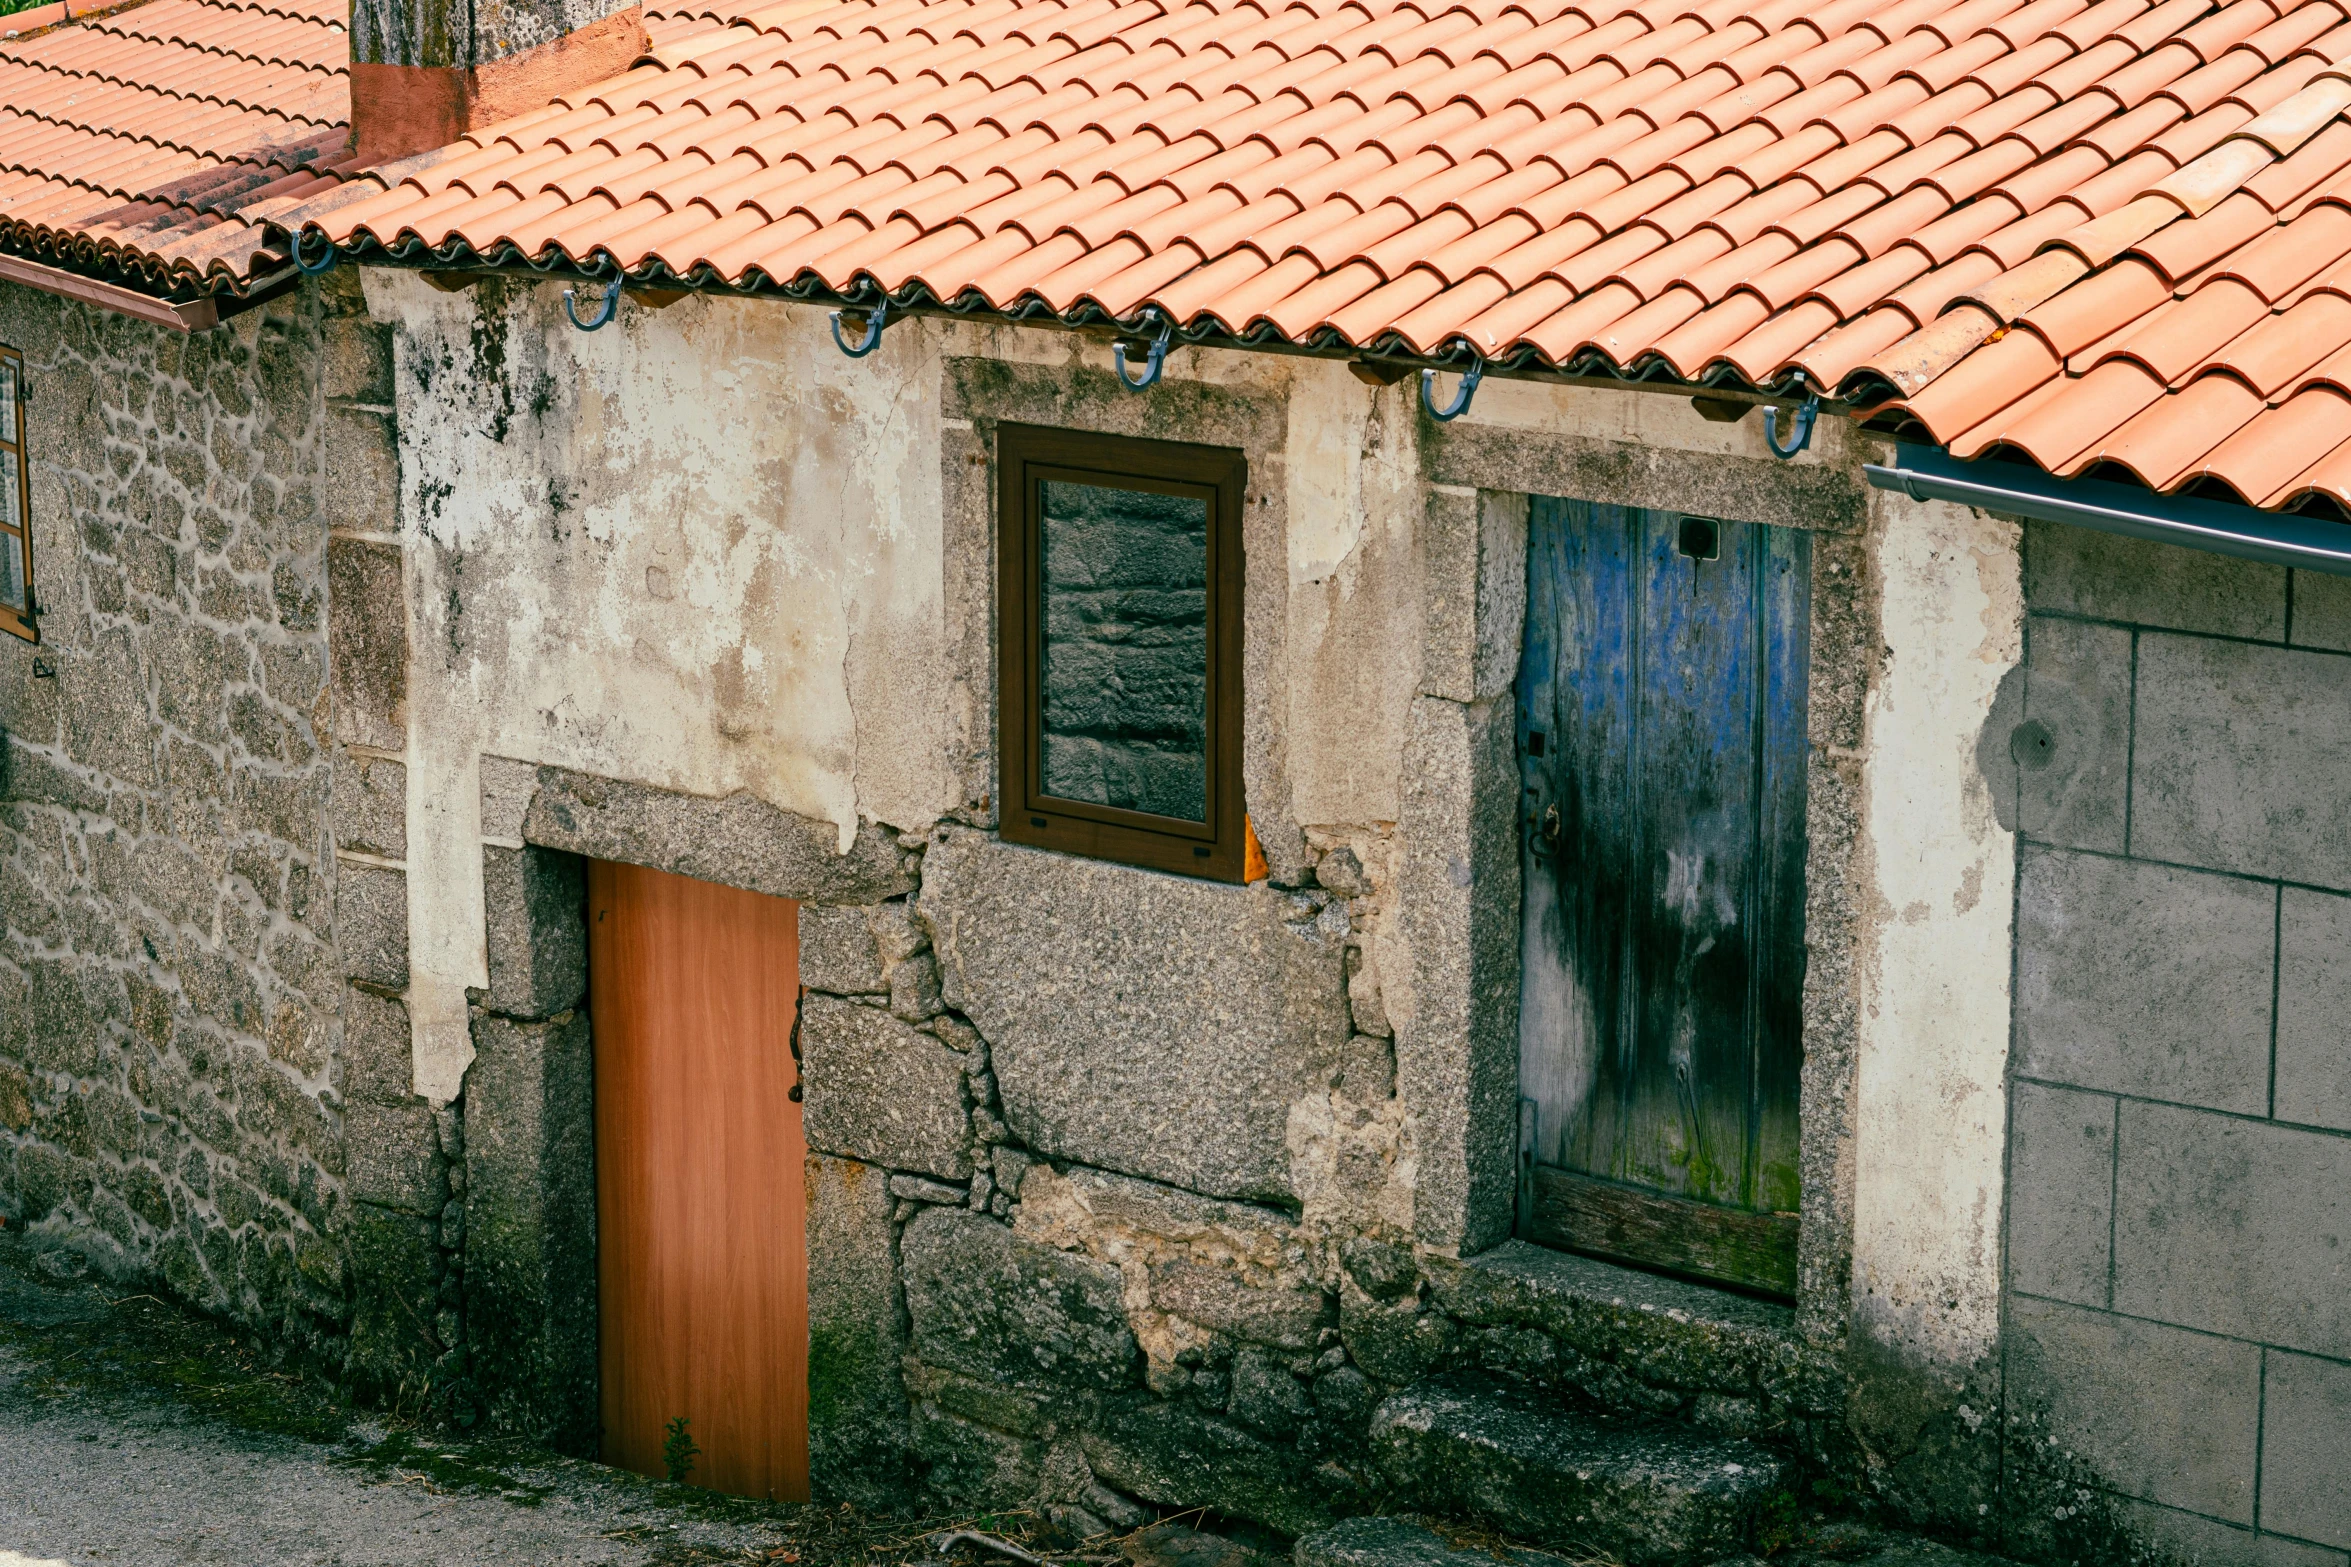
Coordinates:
<point>1124,656</point>
<point>15,602</point>
<point>11,546</point>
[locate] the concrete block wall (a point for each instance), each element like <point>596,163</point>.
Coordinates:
<point>2178,1320</point>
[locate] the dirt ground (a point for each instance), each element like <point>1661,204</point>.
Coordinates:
<point>133,1434</point>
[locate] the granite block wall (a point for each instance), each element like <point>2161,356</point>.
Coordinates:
<point>1109,1205</point>
<point>2179,1226</point>
<point>204,1062</point>
<point>171,1085</point>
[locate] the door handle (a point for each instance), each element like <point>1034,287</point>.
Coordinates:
<point>1543,831</point>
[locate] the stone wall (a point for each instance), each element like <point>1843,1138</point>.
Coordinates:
<point>1104,1226</point>
<point>205,1072</point>
<point>172,1086</point>
<point>2177,759</point>
<point>694,560</point>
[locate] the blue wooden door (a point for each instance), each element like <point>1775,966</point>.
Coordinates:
<point>1662,752</point>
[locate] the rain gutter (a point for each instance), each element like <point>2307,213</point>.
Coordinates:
<point>195,315</point>
<point>1929,473</point>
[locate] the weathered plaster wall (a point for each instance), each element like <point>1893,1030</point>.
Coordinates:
<point>1934,970</point>
<point>699,549</point>
<point>1936,872</point>
<point>171,1073</point>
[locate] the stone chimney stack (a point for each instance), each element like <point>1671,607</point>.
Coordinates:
<point>425,72</point>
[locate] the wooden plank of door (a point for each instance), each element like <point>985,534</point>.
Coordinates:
<point>702,1264</point>
<point>1608,1219</point>
<point>1681,1099</point>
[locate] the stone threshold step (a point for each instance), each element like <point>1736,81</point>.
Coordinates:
<point>1662,1333</point>
<point>1635,1490</point>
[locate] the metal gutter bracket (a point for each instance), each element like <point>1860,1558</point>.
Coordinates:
<point>1929,473</point>
<point>320,267</point>
<point>1806,413</point>
<point>1461,394</point>
<point>875,319</point>
<point>1152,365</point>
<point>605,310</point>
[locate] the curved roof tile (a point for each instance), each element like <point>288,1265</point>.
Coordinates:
<point>2102,235</point>
<point>151,143</point>
<point>2043,225</point>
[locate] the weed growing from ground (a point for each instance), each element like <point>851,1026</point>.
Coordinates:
<point>678,1451</point>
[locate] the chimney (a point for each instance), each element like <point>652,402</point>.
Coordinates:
<point>425,72</point>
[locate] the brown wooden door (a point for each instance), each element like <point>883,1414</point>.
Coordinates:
<point>702,1260</point>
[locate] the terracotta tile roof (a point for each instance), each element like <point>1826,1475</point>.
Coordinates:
<point>2193,339</point>
<point>149,145</point>
<point>2108,235</point>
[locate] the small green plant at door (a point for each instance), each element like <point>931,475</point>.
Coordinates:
<point>678,1452</point>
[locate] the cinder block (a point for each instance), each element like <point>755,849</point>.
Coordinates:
<point>2322,611</point>
<point>2157,1412</point>
<point>2143,979</point>
<point>2191,1537</point>
<point>2060,1190</point>
<point>2240,757</point>
<point>2105,576</point>
<point>2306,1449</point>
<point>2314,1010</point>
<point>2233,1226</point>
<point>2073,790</point>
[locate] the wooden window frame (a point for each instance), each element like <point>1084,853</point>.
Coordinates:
<point>19,623</point>
<point>1026,457</point>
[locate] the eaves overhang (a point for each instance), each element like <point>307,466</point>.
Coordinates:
<point>1931,473</point>
<point>1386,359</point>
